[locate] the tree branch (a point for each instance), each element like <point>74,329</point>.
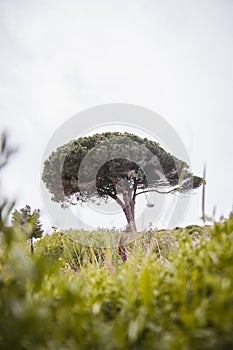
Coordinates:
<point>161,192</point>
<point>113,196</point>
<point>117,200</point>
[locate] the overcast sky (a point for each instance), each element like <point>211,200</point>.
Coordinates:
<point>174,57</point>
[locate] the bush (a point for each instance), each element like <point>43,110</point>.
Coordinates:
<point>181,298</point>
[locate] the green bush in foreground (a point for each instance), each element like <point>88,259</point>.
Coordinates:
<point>177,294</point>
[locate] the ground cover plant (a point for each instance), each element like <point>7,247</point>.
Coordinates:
<point>174,293</point>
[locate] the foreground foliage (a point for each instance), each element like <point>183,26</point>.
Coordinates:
<point>175,292</point>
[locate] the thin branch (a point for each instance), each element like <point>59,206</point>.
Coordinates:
<point>161,192</point>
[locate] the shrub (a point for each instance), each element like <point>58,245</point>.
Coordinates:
<point>181,300</point>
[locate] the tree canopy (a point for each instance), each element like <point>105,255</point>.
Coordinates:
<point>114,165</point>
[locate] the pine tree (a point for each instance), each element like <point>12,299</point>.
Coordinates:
<point>115,165</point>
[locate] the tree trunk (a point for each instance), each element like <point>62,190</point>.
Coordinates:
<point>130,228</point>
<point>129,211</point>
<point>129,214</point>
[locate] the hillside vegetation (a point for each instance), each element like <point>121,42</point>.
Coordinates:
<point>175,291</point>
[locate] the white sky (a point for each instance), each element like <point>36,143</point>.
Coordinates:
<point>175,57</point>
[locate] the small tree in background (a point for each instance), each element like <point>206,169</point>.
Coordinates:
<point>29,221</point>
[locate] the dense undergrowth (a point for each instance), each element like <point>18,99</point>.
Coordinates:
<point>175,291</point>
